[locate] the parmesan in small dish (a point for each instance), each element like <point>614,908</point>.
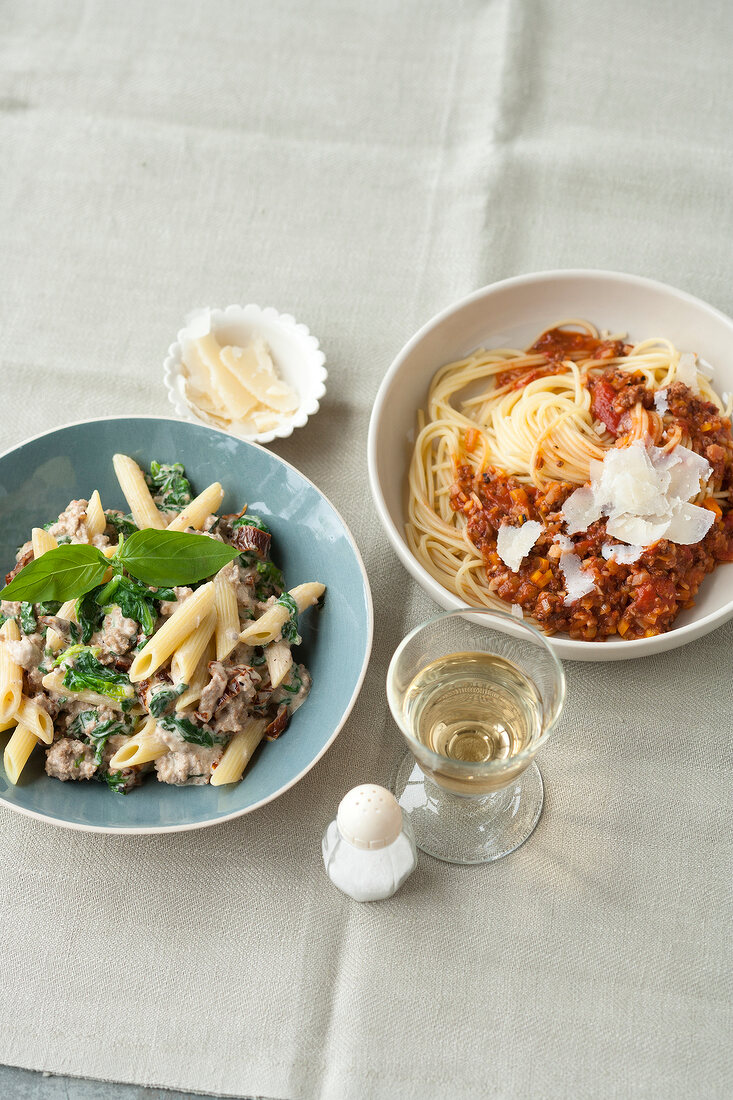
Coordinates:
<point>253,372</point>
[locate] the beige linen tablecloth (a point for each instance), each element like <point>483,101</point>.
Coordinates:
<point>362,166</point>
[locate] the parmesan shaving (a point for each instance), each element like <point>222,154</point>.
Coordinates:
<point>644,492</point>
<point>514,543</point>
<point>623,555</point>
<point>660,401</point>
<point>686,371</point>
<point>236,387</point>
<point>517,611</point>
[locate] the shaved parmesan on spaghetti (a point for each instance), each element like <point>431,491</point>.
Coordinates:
<point>581,509</point>
<point>689,523</point>
<point>517,611</point>
<point>514,543</point>
<point>644,493</point>
<point>578,581</point>
<point>660,402</point>
<point>623,555</point>
<point>687,371</point>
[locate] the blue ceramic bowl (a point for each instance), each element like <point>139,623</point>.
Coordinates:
<point>310,542</point>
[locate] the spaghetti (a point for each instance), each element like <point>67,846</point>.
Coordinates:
<point>509,434</point>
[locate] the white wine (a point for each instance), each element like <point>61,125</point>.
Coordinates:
<point>473,708</point>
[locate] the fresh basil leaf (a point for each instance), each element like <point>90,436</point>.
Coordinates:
<point>173,557</point>
<point>188,730</point>
<point>27,619</point>
<point>61,574</point>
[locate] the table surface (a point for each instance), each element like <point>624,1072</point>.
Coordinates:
<point>362,167</point>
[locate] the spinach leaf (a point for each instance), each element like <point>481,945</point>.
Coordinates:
<point>61,574</point>
<point>290,628</point>
<point>89,614</point>
<point>169,486</point>
<point>173,557</point>
<point>85,726</point>
<point>161,700</point>
<point>3,618</point>
<point>87,674</point>
<point>135,600</point>
<point>250,521</point>
<point>27,619</point>
<point>188,730</point>
<point>295,682</point>
<point>115,781</point>
<point>271,582</point>
<point>124,525</point>
<point>258,656</point>
<point>48,607</point>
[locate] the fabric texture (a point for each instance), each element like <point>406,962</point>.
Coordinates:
<point>362,166</point>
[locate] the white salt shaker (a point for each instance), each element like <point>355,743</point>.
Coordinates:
<point>369,850</point>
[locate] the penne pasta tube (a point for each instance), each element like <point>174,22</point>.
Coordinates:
<point>194,514</point>
<point>17,751</point>
<point>41,542</point>
<point>54,681</point>
<point>227,614</point>
<point>198,681</point>
<point>133,485</point>
<point>7,724</point>
<point>11,674</point>
<point>186,658</point>
<point>36,719</point>
<point>279,661</point>
<point>238,753</point>
<point>68,611</point>
<point>54,640</point>
<point>174,631</point>
<point>96,519</point>
<point>265,629</point>
<point>141,748</point>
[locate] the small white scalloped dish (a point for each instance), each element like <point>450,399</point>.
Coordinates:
<point>295,352</point>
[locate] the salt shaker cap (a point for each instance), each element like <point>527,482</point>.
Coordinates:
<point>369,817</point>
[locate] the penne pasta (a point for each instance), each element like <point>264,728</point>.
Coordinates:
<point>279,662</point>
<point>141,748</point>
<point>54,640</point>
<point>238,753</point>
<point>68,611</point>
<point>198,681</point>
<point>265,629</point>
<point>174,631</point>
<point>133,485</point>
<point>36,719</point>
<point>41,542</point>
<point>227,614</point>
<point>11,674</point>
<point>186,658</point>
<point>18,749</point>
<point>194,514</point>
<point>96,519</point>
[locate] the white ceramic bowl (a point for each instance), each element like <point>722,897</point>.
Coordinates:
<point>512,313</point>
<point>295,352</point>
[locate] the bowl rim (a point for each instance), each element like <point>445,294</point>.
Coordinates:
<point>567,648</point>
<point>189,826</point>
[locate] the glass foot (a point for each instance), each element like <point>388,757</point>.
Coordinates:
<point>468,830</point>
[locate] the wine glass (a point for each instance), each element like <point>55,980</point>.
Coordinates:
<point>474,699</point>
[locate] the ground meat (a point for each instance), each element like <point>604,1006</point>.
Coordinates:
<point>167,607</point>
<point>213,691</point>
<point>72,522</point>
<point>28,652</point>
<point>118,634</point>
<point>188,764</point>
<point>70,759</point>
<point>10,608</point>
